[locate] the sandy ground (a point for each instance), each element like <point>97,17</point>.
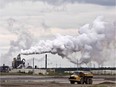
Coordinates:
<point>44,81</point>
<point>53,84</point>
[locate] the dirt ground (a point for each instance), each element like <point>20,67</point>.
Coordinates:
<point>53,84</point>
<point>50,81</point>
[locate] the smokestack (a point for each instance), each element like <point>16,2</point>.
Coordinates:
<point>46,62</point>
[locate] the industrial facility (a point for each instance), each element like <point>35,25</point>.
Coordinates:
<point>18,65</point>
<point>18,62</point>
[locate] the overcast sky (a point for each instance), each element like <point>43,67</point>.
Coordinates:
<point>43,19</point>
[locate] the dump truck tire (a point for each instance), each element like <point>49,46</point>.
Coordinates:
<point>81,81</point>
<point>72,82</point>
<point>89,81</point>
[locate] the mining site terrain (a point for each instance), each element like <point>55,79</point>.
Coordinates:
<point>54,81</point>
<point>54,84</point>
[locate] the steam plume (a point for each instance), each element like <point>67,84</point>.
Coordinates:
<point>24,40</point>
<point>91,42</point>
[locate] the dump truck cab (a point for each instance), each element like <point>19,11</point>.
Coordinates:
<point>81,77</point>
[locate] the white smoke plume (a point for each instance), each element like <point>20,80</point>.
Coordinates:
<point>24,40</point>
<point>92,43</point>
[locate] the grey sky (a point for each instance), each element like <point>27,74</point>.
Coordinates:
<point>60,2</point>
<point>98,2</point>
<point>45,18</point>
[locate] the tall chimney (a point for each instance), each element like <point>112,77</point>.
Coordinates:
<point>46,61</point>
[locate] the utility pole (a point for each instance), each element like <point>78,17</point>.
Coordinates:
<point>56,65</point>
<point>46,62</point>
<point>33,65</point>
<point>114,45</point>
<point>77,64</point>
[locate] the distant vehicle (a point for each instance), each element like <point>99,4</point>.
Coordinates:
<point>4,69</point>
<point>81,77</point>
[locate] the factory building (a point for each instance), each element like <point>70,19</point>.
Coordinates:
<point>18,62</point>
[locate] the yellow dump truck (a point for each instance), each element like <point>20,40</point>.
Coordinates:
<point>81,77</point>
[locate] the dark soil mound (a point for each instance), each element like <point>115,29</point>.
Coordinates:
<point>107,83</point>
